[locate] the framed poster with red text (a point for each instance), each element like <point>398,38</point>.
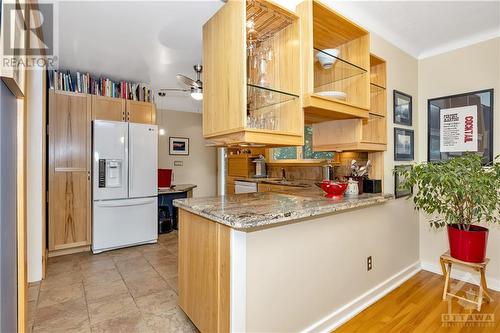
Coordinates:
<point>460,123</point>
<point>458,129</point>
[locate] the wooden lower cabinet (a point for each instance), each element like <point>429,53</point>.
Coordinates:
<point>204,272</point>
<point>240,165</point>
<point>69,190</point>
<point>230,185</point>
<point>262,187</point>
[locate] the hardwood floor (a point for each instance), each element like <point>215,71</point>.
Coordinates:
<point>417,306</point>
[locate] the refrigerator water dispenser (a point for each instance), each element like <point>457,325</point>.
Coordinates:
<point>110,173</point>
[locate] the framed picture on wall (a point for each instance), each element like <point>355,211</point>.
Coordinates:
<point>404,144</point>
<point>399,182</point>
<point>178,146</point>
<point>402,108</point>
<point>460,123</point>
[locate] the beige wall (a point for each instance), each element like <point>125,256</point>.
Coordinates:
<point>475,67</point>
<point>402,75</point>
<point>200,166</point>
<point>300,274</point>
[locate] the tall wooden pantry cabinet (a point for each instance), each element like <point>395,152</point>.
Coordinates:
<point>69,197</point>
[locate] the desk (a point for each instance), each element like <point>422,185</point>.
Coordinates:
<point>167,213</point>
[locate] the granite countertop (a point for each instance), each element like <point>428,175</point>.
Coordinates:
<point>176,189</point>
<point>255,210</point>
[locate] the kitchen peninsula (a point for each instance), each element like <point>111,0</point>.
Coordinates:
<point>252,262</point>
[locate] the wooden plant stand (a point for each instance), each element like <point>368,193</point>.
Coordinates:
<point>447,261</point>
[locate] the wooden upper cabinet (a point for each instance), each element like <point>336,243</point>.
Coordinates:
<point>335,65</point>
<point>69,170</point>
<point>119,109</point>
<point>378,86</point>
<point>140,112</point>
<point>368,135</point>
<point>251,75</point>
<point>108,108</point>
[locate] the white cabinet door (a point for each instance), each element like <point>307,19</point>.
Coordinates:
<point>143,160</point>
<point>109,160</point>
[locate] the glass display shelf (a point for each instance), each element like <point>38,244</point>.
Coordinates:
<point>375,88</point>
<point>259,97</point>
<point>260,111</point>
<point>330,68</point>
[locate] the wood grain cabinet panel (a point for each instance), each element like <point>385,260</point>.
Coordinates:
<point>204,272</point>
<point>369,135</point>
<point>375,129</point>
<point>108,108</point>
<point>263,187</point>
<point>140,112</point>
<point>69,170</point>
<point>240,166</point>
<point>234,110</point>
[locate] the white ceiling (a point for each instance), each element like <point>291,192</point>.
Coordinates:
<point>152,41</point>
<point>423,28</point>
<point>138,41</point>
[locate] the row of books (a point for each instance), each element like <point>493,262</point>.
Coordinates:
<point>85,83</point>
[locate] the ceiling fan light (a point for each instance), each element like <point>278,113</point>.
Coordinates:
<point>196,94</point>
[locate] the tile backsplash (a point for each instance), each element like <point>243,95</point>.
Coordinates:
<point>315,173</point>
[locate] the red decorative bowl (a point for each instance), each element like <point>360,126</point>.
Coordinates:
<point>332,189</point>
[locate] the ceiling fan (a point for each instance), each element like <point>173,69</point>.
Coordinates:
<point>195,88</point>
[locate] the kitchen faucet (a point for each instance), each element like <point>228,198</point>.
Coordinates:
<point>283,174</point>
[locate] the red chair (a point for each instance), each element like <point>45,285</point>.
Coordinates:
<point>164,177</point>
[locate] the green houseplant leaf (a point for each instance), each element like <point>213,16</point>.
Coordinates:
<point>458,191</point>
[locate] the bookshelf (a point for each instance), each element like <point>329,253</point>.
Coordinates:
<point>85,83</point>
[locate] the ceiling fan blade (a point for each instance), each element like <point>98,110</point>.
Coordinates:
<point>187,81</point>
<point>174,89</point>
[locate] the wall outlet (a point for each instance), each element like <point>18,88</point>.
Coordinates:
<point>178,163</point>
<point>369,263</point>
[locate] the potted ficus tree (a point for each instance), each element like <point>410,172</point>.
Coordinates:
<point>459,194</point>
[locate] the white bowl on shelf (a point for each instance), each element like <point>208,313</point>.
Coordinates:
<point>333,94</point>
<point>327,57</point>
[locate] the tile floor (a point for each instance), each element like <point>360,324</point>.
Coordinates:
<point>127,290</point>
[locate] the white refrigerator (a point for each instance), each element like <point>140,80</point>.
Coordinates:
<point>125,203</point>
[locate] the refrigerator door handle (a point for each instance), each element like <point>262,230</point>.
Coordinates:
<point>130,167</point>
<point>125,203</point>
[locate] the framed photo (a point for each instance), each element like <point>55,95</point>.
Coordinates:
<point>403,108</point>
<point>178,146</point>
<point>460,123</point>
<point>399,181</point>
<point>404,144</point>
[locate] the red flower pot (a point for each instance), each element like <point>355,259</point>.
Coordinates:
<point>468,245</point>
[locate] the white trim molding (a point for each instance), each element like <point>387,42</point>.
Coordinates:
<point>238,263</point>
<point>351,309</point>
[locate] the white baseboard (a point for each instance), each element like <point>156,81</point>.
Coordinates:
<point>461,274</point>
<point>349,310</point>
